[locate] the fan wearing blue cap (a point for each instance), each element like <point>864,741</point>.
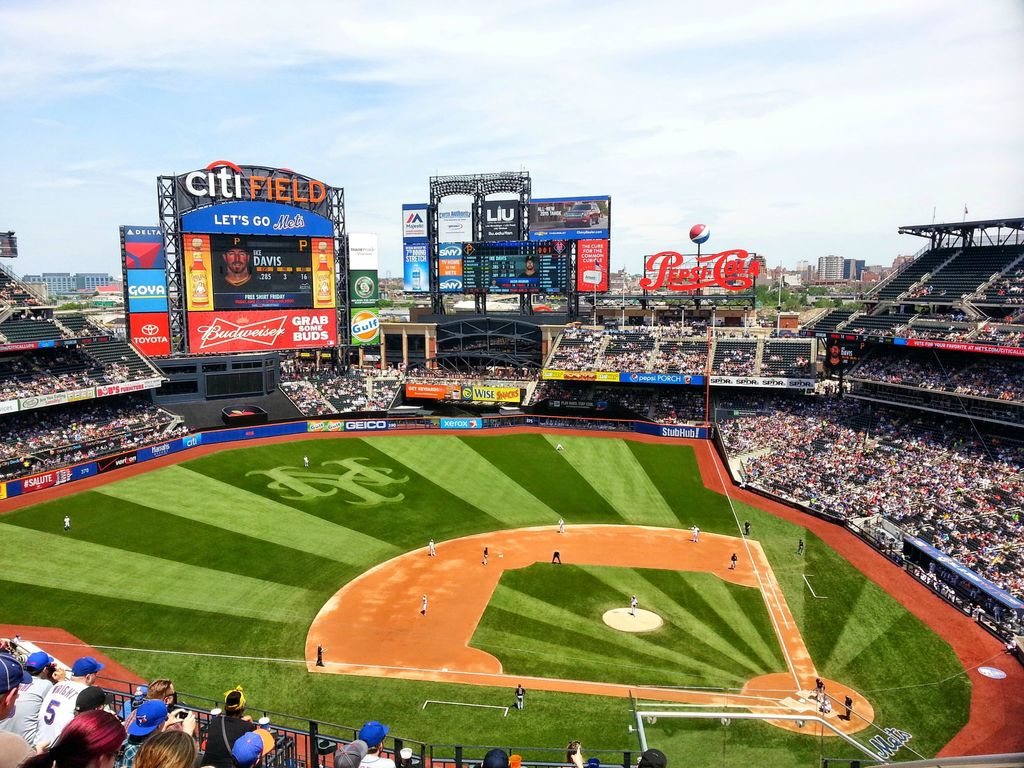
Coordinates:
<point>149,719</point>
<point>58,707</point>
<point>25,719</point>
<point>12,677</point>
<point>373,734</point>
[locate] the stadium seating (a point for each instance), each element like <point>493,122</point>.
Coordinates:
<point>966,375</point>
<point>830,321</point>
<point>14,293</point>
<point>875,324</point>
<point>969,269</point>
<point>16,330</point>
<point>791,359</point>
<point>912,273</point>
<point>734,358</point>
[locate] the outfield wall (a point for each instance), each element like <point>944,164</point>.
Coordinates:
<point>101,465</point>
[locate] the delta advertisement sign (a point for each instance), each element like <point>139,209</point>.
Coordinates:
<point>143,247</point>
<point>734,270</point>
<point>261,330</point>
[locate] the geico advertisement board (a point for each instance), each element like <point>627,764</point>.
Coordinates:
<point>147,290</point>
<point>212,332</point>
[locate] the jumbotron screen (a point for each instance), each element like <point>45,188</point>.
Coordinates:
<point>254,272</point>
<point>515,267</point>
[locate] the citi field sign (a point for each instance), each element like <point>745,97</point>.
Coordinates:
<point>733,270</point>
<point>223,181</point>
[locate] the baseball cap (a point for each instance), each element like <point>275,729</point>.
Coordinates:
<point>373,733</point>
<point>496,758</point>
<point>350,755</point>
<point>149,716</point>
<point>593,763</point>
<point>92,697</point>
<point>653,758</point>
<point>86,665</point>
<point>12,674</point>
<point>140,693</point>
<point>268,739</point>
<point>248,749</point>
<point>38,660</point>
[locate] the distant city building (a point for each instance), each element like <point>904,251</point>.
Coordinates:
<point>830,268</point>
<point>899,261</point>
<point>64,283</point>
<point>852,269</point>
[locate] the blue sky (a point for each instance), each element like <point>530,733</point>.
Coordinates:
<point>795,129</point>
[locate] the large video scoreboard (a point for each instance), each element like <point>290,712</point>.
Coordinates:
<point>515,267</point>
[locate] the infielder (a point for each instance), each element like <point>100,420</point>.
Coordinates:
<point>561,525</point>
<point>559,447</point>
<point>485,555</point>
<point>423,610</point>
<point>696,533</point>
<point>431,551</point>
<point>732,562</point>
<point>633,602</point>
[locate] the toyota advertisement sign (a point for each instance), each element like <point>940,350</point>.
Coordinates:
<point>261,330</point>
<point>150,333</point>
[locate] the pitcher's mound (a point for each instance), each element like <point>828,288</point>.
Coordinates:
<point>644,621</point>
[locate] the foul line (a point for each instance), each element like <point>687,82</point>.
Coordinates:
<point>813,593</point>
<point>464,704</point>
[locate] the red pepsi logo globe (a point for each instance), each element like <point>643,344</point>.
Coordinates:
<point>699,233</point>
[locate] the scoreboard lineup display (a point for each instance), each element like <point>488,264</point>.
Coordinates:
<point>515,267</point>
<point>251,272</point>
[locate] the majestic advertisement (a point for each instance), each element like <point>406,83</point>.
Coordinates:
<point>261,330</point>
<point>570,218</point>
<point>449,267</point>
<point>256,218</point>
<point>416,274</point>
<point>501,221</point>
<point>455,220</point>
<point>592,265</point>
<point>365,327</point>
<point>150,333</point>
<point>733,270</point>
<point>520,267</point>
<point>235,272</point>
<point>414,221</point>
<point>143,247</point>
<point>147,290</point>
<point>363,287</point>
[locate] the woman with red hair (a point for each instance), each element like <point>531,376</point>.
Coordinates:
<point>91,740</point>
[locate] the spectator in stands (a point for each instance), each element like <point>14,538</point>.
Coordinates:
<point>12,677</point>
<point>89,699</point>
<point>169,749</point>
<point>26,711</point>
<point>373,734</point>
<point>350,755</point>
<point>58,707</point>
<point>226,728</point>
<point>91,740</point>
<point>149,718</point>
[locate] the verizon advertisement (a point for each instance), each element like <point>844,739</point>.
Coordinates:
<point>258,331</point>
<point>500,221</point>
<point>151,333</point>
<point>592,265</point>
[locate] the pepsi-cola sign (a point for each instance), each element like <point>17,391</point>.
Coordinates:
<point>734,270</point>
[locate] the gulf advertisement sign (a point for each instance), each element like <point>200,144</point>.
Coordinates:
<point>365,327</point>
<point>592,265</point>
<point>150,333</point>
<point>261,330</point>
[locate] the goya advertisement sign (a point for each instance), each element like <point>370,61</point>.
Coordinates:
<point>214,332</point>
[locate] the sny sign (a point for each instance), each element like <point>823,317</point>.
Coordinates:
<point>732,270</point>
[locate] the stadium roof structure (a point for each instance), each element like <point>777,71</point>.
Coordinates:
<point>969,233</point>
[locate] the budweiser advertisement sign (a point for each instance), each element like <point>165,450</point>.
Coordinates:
<point>256,331</point>
<point>732,270</point>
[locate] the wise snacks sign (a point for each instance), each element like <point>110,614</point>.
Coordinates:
<point>734,270</point>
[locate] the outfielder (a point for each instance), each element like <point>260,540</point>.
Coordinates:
<point>67,523</point>
<point>305,461</point>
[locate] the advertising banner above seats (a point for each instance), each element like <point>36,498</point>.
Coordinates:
<point>570,218</point>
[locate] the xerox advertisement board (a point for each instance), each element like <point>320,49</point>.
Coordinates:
<point>570,218</point>
<point>249,272</point>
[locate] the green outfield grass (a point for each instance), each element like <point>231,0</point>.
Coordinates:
<point>213,556</point>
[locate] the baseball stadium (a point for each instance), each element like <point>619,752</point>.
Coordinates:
<point>542,513</point>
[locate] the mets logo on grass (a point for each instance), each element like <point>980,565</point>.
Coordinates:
<point>365,327</point>
<point>358,481</point>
